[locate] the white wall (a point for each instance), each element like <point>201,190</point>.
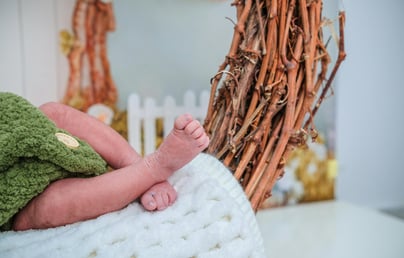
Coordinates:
<point>370,107</point>
<point>368,91</point>
<point>158,48</point>
<point>166,47</point>
<point>31,63</point>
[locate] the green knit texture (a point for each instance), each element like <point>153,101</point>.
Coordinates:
<point>31,156</point>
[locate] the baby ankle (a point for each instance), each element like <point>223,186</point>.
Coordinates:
<point>155,166</point>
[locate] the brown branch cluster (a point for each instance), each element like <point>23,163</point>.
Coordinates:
<point>272,82</point>
<point>90,79</point>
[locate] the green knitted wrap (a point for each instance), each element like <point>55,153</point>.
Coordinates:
<point>31,156</point>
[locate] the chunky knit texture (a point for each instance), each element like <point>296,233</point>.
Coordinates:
<point>211,218</point>
<point>32,156</point>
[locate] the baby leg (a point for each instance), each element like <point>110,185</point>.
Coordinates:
<point>75,199</point>
<point>185,141</point>
<point>105,140</point>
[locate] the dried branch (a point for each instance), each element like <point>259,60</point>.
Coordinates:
<point>92,20</point>
<point>269,82</point>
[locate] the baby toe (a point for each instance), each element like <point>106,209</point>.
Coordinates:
<point>148,201</point>
<point>162,202</point>
<point>172,196</point>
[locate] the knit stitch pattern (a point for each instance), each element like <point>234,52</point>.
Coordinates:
<point>211,218</point>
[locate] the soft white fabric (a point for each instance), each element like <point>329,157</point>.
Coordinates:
<point>211,218</point>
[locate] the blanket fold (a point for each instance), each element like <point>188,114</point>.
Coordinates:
<point>212,217</point>
<point>34,153</point>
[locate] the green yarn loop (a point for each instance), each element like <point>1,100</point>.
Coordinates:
<point>32,156</point>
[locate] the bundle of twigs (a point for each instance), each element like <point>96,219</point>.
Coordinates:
<point>90,78</point>
<point>273,80</point>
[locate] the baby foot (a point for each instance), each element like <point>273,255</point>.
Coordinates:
<point>185,141</point>
<point>159,197</point>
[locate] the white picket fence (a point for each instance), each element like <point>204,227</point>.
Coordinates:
<point>143,114</point>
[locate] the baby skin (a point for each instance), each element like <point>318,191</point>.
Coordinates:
<point>187,139</point>
<point>76,199</point>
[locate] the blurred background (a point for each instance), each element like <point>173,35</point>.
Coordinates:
<point>162,48</point>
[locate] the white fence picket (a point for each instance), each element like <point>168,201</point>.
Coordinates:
<point>134,122</point>
<point>203,103</point>
<point>142,118</point>
<point>149,124</point>
<point>169,114</point>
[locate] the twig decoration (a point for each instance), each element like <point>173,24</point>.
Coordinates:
<point>90,78</point>
<point>272,84</point>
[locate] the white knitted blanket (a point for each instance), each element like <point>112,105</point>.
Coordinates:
<point>211,218</point>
